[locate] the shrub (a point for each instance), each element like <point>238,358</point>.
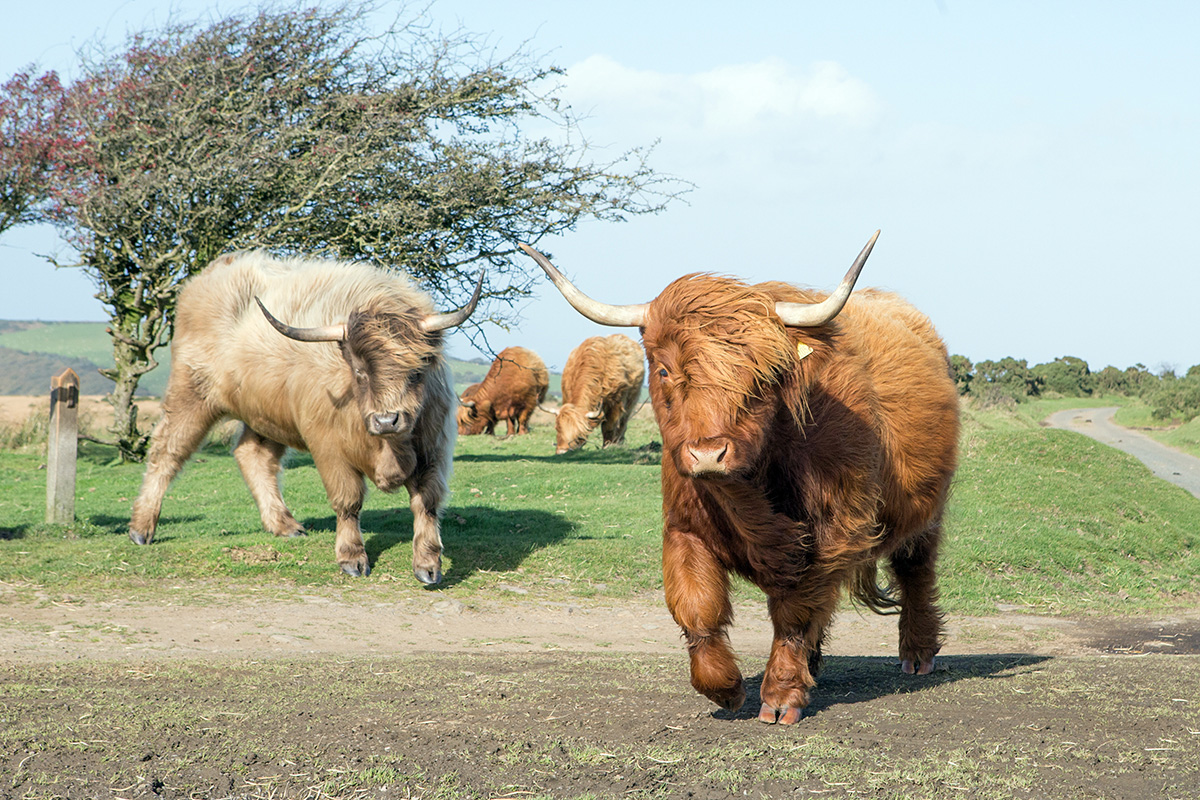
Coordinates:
<point>962,370</point>
<point>1111,380</point>
<point>1067,375</point>
<point>1176,398</point>
<point>1010,376</point>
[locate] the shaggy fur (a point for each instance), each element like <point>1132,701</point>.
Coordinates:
<point>227,361</point>
<point>514,386</point>
<point>601,384</point>
<point>797,457</point>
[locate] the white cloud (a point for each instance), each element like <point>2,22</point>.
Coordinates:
<point>729,101</point>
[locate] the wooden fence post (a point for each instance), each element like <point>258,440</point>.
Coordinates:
<point>62,447</point>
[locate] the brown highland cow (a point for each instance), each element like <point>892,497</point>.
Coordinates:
<point>601,384</point>
<point>805,438</point>
<point>514,386</point>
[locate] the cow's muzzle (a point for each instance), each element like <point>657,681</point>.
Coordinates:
<point>707,457</point>
<point>387,422</point>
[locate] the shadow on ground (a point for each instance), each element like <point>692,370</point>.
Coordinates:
<point>846,680</point>
<point>474,537</point>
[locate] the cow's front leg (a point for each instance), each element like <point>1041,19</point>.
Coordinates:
<point>697,593</point>
<point>427,491</point>
<point>346,490</point>
<point>800,620</point>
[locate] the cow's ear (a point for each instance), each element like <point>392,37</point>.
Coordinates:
<point>811,349</point>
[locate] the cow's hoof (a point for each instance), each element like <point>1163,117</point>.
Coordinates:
<point>730,699</point>
<point>908,667</point>
<point>357,569</point>
<point>138,538</point>
<point>788,715</point>
<point>428,577</point>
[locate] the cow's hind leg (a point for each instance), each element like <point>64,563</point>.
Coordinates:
<point>913,565</point>
<point>181,430</point>
<point>259,459</point>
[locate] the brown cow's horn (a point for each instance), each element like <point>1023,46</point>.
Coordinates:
<point>327,333</point>
<point>440,322</point>
<point>806,315</point>
<point>603,313</point>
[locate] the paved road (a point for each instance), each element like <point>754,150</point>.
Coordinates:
<point>1165,462</point>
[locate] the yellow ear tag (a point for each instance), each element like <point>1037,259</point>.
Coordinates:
<point>803,350</point>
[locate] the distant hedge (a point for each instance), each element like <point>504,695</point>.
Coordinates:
<point>1012,380</point>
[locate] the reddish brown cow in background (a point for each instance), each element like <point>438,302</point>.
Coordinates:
<point>601,384</point>
<point>800,446</point>
<point>514,386</point>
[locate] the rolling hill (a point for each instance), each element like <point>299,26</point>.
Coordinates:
<point>32,352</point>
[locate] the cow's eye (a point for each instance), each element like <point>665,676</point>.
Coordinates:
<point>662,372</point>
<point>414,377</point>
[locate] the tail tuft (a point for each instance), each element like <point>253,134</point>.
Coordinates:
<point>865,589</point>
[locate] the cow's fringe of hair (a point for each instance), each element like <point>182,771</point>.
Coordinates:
<point>865,589</point>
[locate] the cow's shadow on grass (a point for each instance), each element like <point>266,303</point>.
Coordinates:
<point>648,454</point>
<point>475,538</point>
<point>8,533</point>
<point>845,680</point>
<point>168,525</point>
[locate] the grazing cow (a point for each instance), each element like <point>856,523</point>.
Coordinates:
<point>363,387</point>
<point>513,387</point>
<point>601,384</point>
<point>800,446</point>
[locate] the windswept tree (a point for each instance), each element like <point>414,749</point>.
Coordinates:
<point>300,130</point>
<point>32,137</point>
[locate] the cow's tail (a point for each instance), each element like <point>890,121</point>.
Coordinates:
<point>865,589</point>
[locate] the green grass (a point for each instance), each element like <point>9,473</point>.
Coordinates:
<point>1054,522</point>
<point>1039,519</point>
<point>582,524</point>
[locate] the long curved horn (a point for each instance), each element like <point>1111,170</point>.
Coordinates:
<point>327,333</point>
<point>553,411</point>
<point>603,313</point>
<point>806,315</point>
<point>440,322</point>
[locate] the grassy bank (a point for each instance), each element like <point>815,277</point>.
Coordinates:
<point>1039,519</point>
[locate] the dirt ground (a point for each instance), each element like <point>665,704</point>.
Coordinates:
<point>514,698</point>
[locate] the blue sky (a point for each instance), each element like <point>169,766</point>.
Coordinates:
<point>1033,166</point>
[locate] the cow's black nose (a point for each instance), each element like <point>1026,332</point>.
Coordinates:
<point>388,422</point>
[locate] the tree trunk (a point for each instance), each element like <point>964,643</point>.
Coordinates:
<point>132,358</point>
<point>127,436</point>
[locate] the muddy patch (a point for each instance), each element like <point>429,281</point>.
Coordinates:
<point>1136,637</point>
